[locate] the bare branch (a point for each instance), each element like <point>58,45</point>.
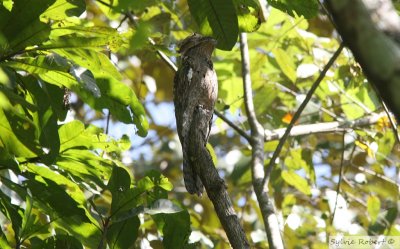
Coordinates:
<point>257,162</point>
<point>298,113</point>
<point>214,184</point>
<point>308,129</point>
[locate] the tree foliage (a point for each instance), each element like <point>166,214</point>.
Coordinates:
<point>89,155</point>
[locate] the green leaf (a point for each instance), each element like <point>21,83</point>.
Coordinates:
<point>120,180</point>
<point>45,119</point>
<point>30,222</point>
<point>306,8</point>
<point>98,63</point>
<point>293,179</point>
<point>84,164</point>
<point>248,12</point>
<point>216,18</point>
<point>294,160</point>
<point>286,63</point>
<point>175,228</point>
<point>8,4</point>
<point>17,135</point>
<point>373,207</point>
<point>72,135</point>
<point>48,191</point>
<point>72,189</point>
<point>125,204</point>
<point>22,26</point>
<point>11,212</point>
<point>145,184</point>
<point>140,38</point>
<point>123,234</point>
<point>385,141</point>
<point>139,6</point>
<point>62,9</point>
<point>3,241</point>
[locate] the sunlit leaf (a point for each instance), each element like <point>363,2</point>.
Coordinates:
<point>306,8</point>
<point>61,9</point>
<point>285,63</point>
<point>296,181</point>
<point>248,13</point>
<point>373,207</point>
<point>218,19</point>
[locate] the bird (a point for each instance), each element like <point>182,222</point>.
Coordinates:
<point>195,86</point>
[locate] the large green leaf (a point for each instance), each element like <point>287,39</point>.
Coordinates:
<point>123,234</point>
<point>64,8</point>
<point>175,228</point>
<point>17,135</point>
<point>306,8</point>
<point>216,18</point>
<point>45,119</point>
<point>22,26</point>
<point>106,92</point>
<point>72,189</point>
<point>84,164</point>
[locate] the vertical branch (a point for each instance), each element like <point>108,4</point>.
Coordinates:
<point>257,161</point>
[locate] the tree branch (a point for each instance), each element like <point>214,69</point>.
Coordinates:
<point>371,29</point>
<point>257,160</point>
<point>213,183</point>
<point>298,113</point>
<point>308,129</point>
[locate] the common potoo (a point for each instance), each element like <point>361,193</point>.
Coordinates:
<point>195,86</point>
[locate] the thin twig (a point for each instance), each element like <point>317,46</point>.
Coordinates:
<point>392,122</point>
<point>232,125</point>
<point>298,113</point>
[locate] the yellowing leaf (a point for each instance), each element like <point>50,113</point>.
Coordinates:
<point>366,148</point>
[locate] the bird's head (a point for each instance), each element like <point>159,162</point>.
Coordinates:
<point>196,42</point>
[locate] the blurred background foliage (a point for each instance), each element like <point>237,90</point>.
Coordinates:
<point>89,154</point>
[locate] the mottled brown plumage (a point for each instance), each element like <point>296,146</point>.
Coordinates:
<point>195,86</point>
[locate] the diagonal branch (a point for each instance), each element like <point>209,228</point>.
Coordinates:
<point>257,160</point>
<point>233,126</point>
<point>215,186</point>
<point>298,113</point>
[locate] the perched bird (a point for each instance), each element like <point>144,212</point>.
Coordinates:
<point>195,86</point>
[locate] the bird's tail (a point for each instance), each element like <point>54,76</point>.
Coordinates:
<point>192,180</point>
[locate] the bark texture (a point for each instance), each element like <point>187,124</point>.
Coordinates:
<point>214,184</point>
